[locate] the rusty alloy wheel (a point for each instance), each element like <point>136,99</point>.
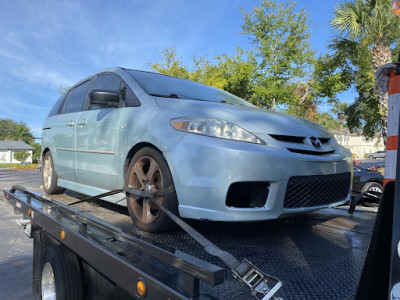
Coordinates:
<point>146,176</point>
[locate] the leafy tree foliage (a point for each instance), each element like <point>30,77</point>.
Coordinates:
<point>37,152</point>
<point>366,30</point>
<point>15,131</point>
<point>21,156</point>
<point>279,71</point>
<point>327,121</point>
<point>280,36</point>
<point>170,64</point>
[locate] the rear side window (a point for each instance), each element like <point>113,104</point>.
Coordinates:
<point>54,110</point>
<point>77,98</point>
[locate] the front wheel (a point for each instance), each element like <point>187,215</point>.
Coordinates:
<point>149,171</point>
<point>49,176</point>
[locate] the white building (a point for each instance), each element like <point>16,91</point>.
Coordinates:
<point>358,144</point>
<point>8,148</point>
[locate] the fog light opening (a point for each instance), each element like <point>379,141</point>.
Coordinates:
<point>247,194</point>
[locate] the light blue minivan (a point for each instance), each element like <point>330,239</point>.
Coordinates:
<point>226,159</point>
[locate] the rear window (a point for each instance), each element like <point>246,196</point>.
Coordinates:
<point>56,106</point>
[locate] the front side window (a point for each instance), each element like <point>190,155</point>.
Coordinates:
<point>128,96</point>
<point>113,83</point>
<point>77,98</point>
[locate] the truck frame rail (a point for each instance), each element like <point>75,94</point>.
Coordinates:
<point>103,246</point>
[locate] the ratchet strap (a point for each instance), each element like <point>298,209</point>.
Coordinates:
<point>97,197</point>
<point>262,285</point>
<point>258,282</point>
<point>357,199</point>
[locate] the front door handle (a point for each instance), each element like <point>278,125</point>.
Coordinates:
<point>82,123</point>
<point>70,124</point>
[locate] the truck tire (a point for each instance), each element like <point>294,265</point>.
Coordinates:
<point>49,176</point>
<point>149,171</point>
<point>100,288</point>
<point>60,277</point>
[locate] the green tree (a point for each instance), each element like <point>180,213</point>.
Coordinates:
<point>62,90</point>
<point>37,152</point>
<point>170,64</point>
<point>233,74</point>
<point>327,121</point>
<point>366,30</point>
<point>15,131</point>
<point>280,37</point>
<point>21,156</point>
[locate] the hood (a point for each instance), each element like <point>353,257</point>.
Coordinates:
<point>255,120</point>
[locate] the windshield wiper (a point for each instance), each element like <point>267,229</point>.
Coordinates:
<point>179,96</point>
<point>167,96</point>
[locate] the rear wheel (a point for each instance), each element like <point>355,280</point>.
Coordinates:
<point>149,171</point>
<point>60,275</point>
<point>49,176</point>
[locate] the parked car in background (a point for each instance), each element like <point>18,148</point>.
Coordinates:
<point>379,154</point>
<point>365,180</point>
<point>225,159</point>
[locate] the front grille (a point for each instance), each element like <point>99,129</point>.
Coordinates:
<point>296,139</point>
<point>288,138</point>
<point>308,152</point>
<point>316,190</point>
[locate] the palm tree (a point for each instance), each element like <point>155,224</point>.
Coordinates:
<point>371,24</point>
<point>21,133</point>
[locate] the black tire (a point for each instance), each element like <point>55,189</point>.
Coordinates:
<point>49,176</point>
<point>372,186</point>
<point>100,288</point>
<point>67,274</point>
<point>151,219</point>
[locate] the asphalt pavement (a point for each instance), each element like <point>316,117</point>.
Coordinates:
<point>15,247</point>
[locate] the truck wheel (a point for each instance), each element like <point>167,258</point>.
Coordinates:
<point>49,176</point>
<point>60,275</point>
<point>149,171</point>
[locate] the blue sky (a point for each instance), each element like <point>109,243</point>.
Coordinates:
<point>45,45</point>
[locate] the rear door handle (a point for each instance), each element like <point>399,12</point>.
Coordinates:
<point>82,123</point>
<point>70,124</point>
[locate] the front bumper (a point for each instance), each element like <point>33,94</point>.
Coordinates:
<point>203,169</point>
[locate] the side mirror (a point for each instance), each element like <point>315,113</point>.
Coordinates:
<point>104,98</point>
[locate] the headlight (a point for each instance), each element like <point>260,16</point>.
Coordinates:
<point>215,128</point>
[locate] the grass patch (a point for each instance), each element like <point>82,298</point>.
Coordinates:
<point>19,166</point>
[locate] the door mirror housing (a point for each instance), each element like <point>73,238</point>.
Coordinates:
<point>104,98</point>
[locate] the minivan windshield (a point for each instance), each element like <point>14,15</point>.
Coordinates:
<point>159,85</point>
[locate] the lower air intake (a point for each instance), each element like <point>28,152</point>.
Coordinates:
<point>316,190</point>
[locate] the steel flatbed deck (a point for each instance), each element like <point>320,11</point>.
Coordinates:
<point>317,255</point>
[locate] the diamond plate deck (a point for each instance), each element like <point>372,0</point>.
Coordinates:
<point>318,255</point>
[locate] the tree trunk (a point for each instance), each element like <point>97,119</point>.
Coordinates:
<point>380,55</point>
